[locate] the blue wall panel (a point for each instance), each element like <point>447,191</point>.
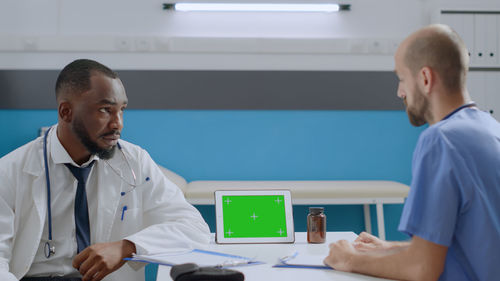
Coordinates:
<point>262,145</point>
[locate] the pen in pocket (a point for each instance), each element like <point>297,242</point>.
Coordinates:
<point>123,211</point>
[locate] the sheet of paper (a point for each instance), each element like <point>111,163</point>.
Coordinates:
<point>200,257</point>
<point>306,260</point>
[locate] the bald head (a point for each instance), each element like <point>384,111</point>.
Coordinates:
<point>441,49</point>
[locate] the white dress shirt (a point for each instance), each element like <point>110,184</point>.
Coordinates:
<point>62,190</point>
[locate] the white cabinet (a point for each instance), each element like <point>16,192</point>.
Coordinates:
<point>463,24</point>
<point>476,84</point>
<point>485,40</point>
<point>498,40</point>
<point>481,34</point>
<point>484,89</point>
<point>492,80</point>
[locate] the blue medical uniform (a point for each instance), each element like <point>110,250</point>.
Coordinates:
<point>454,198</point>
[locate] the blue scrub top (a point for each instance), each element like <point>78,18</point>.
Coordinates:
<point>454,198</point>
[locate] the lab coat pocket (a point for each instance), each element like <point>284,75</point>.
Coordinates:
<point>128,220</point>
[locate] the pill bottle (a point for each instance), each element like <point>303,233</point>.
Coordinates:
<point>316,225</point>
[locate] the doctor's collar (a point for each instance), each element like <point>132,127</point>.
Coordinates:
<point>59,154</point>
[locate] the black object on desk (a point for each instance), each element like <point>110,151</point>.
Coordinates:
<point>192,272</point>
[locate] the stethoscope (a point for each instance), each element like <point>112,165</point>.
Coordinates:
<point>50,249</point>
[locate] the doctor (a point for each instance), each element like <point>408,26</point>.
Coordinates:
<point>78,200</point>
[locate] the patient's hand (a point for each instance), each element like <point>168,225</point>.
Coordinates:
<point>367,242</point>
<point>340,256</point>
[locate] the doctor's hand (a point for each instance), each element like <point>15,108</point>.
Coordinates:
<point>366,242</point>
<point>99,260</point>
<point>340,256</point>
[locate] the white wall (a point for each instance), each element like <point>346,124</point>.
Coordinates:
<point>139,34</point>
<point>131,34</point>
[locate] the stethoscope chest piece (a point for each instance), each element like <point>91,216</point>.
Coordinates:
<point>49,250</point>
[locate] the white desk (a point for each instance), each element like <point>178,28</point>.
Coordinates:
<point>270,253</point>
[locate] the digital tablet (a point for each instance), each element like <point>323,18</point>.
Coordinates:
<point>254,216</point>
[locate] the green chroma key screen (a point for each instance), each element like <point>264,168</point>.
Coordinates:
<point>254,216</point>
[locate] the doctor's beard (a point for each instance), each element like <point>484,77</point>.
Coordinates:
<point>84,137</point>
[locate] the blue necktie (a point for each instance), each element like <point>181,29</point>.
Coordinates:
<point>81,208</point>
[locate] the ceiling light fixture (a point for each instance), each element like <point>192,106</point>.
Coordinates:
<point>255,7</point>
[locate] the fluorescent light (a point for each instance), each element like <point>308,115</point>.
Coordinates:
<point>254,7</point>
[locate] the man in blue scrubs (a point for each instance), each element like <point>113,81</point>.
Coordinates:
<point>452,213</point>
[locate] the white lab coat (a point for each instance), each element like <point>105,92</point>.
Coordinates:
<point>157,217</point>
